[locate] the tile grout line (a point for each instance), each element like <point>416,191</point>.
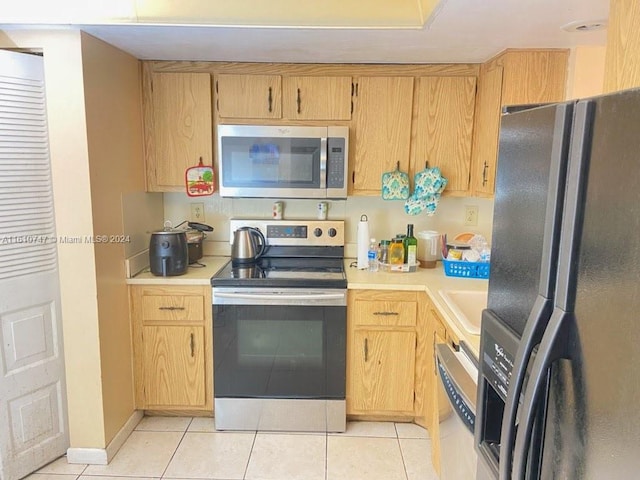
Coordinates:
<point>253,444</point>
<point>326,456</point>
<point>404,463</point>
<point>177,447</point>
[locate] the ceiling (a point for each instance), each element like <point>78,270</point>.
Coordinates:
<point>457,31</point>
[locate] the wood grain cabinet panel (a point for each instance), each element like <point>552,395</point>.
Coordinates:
<point>444,109</point>
<point>173,307</point>
<point>486,133</point>
<point>249,96</point>
<point>383,364</point>
<point>515,77</point>
<point>389,313</point>
<point>317,98</point>
<point>534,76</point>
<point>180,132</point>
<point>176,355</point>
<point>172,347</point>
<point>382,130</point>
<point>383,335</point>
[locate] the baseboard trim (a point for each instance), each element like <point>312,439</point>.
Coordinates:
<point>102,456</point>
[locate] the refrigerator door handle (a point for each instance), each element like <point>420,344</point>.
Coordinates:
<point>530,337</point>
<point>552,348</point>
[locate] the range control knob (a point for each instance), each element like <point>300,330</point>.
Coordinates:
<point>317,232</point>
<point>332,232</point>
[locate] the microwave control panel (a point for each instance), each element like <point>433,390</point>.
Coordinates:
<point>335,162</point>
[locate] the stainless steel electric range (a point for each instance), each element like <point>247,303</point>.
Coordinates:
<point>279,328</point>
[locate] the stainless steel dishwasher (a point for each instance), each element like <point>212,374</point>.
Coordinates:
<point>458,372</point>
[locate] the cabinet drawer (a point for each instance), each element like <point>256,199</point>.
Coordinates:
<point>172,307</point>
<point>385,312</point>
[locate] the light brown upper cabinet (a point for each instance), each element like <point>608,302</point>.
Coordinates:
<point>382,130</point>
<point>177,127</point>
<point>444,108</point>
<point>317,98</point>
<point>249,96</point>
<point>522,77</point>
<point>485,136</point>
<point>533,76</point>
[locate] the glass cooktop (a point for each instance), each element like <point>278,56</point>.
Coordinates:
<point>284,272</point>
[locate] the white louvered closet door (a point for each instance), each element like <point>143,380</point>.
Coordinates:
<point>33,418</point>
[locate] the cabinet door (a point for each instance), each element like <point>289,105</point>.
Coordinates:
<point>383,366</point>
<point>249,96</point>
<point>487,130</point>
<point>382,120</point>
<point>181,132</point>
<point>317,98</point>
<point>444,128</point>
<point>534,76</point>
<point>174,373</point>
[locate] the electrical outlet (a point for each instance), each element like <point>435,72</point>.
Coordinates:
<point>471,215</point>
<point>197,212</point>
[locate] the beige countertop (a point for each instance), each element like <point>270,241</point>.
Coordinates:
<point>194,276</point>
<point>423,280</point>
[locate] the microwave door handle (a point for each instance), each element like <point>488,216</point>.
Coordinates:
<point>323,162</point>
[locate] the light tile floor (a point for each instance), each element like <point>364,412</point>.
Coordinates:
<point>190,448</point>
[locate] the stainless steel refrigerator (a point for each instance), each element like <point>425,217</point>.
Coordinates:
<point>559,382</point>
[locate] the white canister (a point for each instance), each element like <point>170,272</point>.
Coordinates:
<point>278,209</point>
<point>323,208</point>
<point>428,248</point>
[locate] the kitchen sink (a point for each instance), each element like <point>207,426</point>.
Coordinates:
<point>467,306</point>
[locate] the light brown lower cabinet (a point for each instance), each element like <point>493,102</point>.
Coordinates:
<point>172,345</point>
<point>383,366</point>
<point>382,339</point>
<point>176,355</point>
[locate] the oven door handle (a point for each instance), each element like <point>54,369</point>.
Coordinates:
<point>281,296</point>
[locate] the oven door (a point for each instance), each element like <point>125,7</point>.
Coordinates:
<point>283,343</point>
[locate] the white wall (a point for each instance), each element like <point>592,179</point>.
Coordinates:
<point>95,136</point>
<point>386,218</point>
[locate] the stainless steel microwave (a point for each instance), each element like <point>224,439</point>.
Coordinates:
<point>283,161</point>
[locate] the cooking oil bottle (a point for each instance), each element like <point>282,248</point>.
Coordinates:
<point>396,252</point>
<point>410,244</point>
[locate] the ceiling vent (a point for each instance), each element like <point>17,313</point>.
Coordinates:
<point>585,26</point>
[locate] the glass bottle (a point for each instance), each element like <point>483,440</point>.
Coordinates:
<point>396,252</point>
<point>384,251</point>
<point>410,244</point>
